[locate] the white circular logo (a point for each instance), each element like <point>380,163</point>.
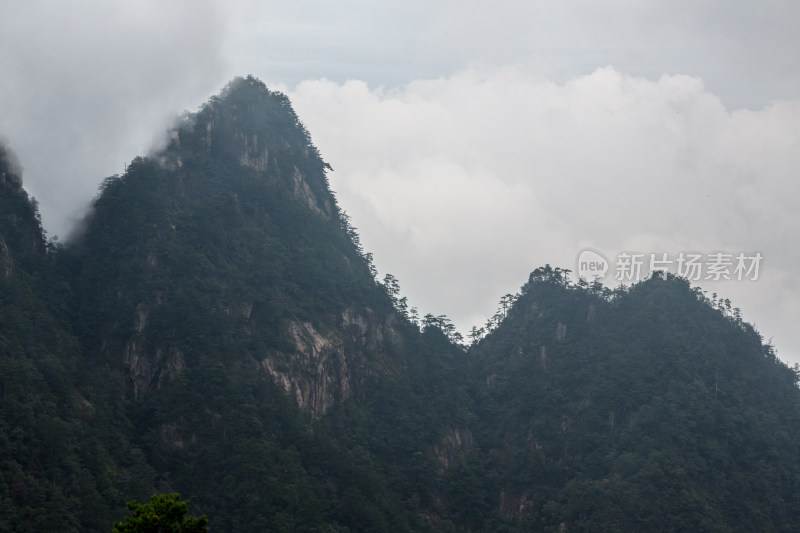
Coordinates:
<point>591,265</point>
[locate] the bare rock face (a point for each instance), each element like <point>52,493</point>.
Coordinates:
<point>148,369</point>
<point>303,193</point>
<point>250,154</point>
<point>456,443</point>
<point>326,369</point>
<point>316,375</point>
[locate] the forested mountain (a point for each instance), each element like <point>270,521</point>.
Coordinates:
<point>642,410</point>
<point>216,329</point>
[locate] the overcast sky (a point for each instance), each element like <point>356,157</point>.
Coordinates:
<point>471,142</point>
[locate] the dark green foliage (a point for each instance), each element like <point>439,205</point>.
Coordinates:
<point>66,463</point>
<point>165,513</point>
<point>646,411</point>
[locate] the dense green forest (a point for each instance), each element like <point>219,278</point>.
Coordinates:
<point>215,329</point>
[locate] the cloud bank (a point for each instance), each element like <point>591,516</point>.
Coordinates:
<point>463,184</point>
<point>85,86</point>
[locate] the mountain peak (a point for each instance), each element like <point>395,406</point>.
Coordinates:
<point>249,124</point>
<point>237,203</point>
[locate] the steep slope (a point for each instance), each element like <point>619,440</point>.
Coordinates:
<point>641,410</point>
<point>60,438</point>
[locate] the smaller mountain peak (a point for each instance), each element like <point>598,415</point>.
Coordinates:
<point>245,85</point>
<point>21,233</point>
<point>10,169</point>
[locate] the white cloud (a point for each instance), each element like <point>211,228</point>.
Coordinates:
<point>462,185</point>
<point>88,85</point>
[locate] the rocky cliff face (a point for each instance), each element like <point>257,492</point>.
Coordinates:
<point>149,369</point>
<point>326,369</point>
<point>319,371</point>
